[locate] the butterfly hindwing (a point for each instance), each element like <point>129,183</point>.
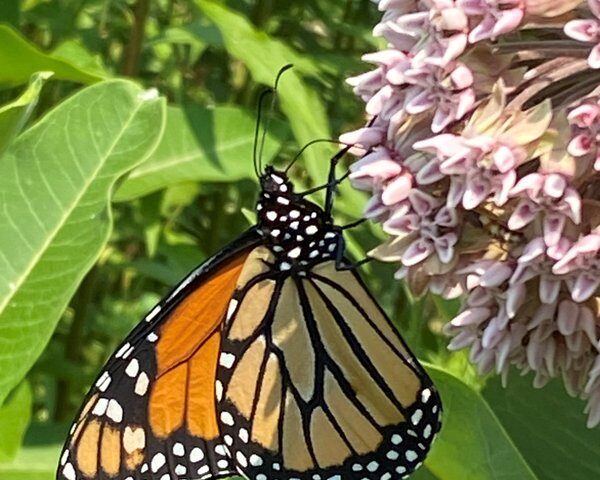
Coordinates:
<point>318,382</point>
<point>151,413</point>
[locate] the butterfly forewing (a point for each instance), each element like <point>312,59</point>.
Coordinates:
<point>152,412</point>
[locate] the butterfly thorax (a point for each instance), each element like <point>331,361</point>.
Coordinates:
<point>297,231</point>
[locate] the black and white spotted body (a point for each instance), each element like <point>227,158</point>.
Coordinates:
<point>298,232</point>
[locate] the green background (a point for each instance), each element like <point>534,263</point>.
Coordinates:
<point>126,134</point>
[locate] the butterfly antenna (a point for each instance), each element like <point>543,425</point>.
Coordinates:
<point>268,119</point>
<point>256,159</point>
<point>310,144</point>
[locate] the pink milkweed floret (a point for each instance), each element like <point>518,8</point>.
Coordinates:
<point>483,168</point>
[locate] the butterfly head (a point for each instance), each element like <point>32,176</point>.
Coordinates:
<point>274,182</point>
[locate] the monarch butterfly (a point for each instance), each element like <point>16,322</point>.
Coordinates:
<point>271,360</point>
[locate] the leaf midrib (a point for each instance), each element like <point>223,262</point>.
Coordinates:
<point>64,220</point>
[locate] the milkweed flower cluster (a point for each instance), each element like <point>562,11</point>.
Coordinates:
<point>482,162</point>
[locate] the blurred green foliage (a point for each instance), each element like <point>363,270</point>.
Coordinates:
<point>92,236</point>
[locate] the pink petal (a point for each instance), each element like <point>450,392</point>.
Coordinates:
<point>430,173</point>
<point>455,45</point>
<point>417,251</point>
<point>566,318</point>
<point>584,116</point>
<point>582,30</point>
<point>466,100</point>
<point>402,224</point>
<point>585,286</point>
<point>515,297</point>
<point>549,289</point>
<point>456,192</point>
<point>374,208</point>
<point>446,217</point>
<point>508,21</point>
<point>532,250</point>
<point>555,185</point>
<point>523,215</point>
<point>572,200</point>
<point>530,184</point>
<point>504,159</point>
<point>366,137</point>
<point>397,190</point>
<point>422,202</point>
<point>553,228</point>
<point>462,77</point>
<point>376,103</point>
<point>588,244</point>
<point>594,58</point>
<point>471,316</point>
<point>444,246</point>
<point>507,182</point>
<point>446,143</point>
<point>580,145</point>
<point>421,101</point>
<point>476,192</point>
<point>496,275</point>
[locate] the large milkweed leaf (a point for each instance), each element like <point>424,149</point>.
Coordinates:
<point>21,59</point>
<point>56,183</point>
<point>14,420</point>
<point>201,145</point>
<point>548,426</point>
<point>473,443</point>
<point>14,115</point>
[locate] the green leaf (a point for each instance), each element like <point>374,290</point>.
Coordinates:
<point>55,190</point>
<point>264,57</point>
<point>14,420</point>
<point>38,458</point>
<point>548,427</point>
<point>75,54</point>
<point>14,115</point>
<point>472,444</point>
<point>21,59</point>
<point>200,145</point>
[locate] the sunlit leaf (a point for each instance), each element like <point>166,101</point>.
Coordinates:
<point>20,59</point>
<point>200,145</point>
<point>14,115</point>
<point>14,420</point>
<point>548,427</point>
<point>56,185</point>
<point>473,444</point>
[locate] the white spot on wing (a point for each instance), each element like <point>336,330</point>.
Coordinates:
<point>141,385</point>
<point>157,462</point>
<point>122,350</point>
<point>69,472</point>
<point>411,455</point>
<point>114,411</point>
<point>417,416</point>
<point>153,313</point>
<point>179,450</point>
<point>227,418</point>
<point>133,368</point>
<point>255,460</point>
<point>226,360</point>
<point>231,309</point>
<point>196,455</point>
<point>100,407</point>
